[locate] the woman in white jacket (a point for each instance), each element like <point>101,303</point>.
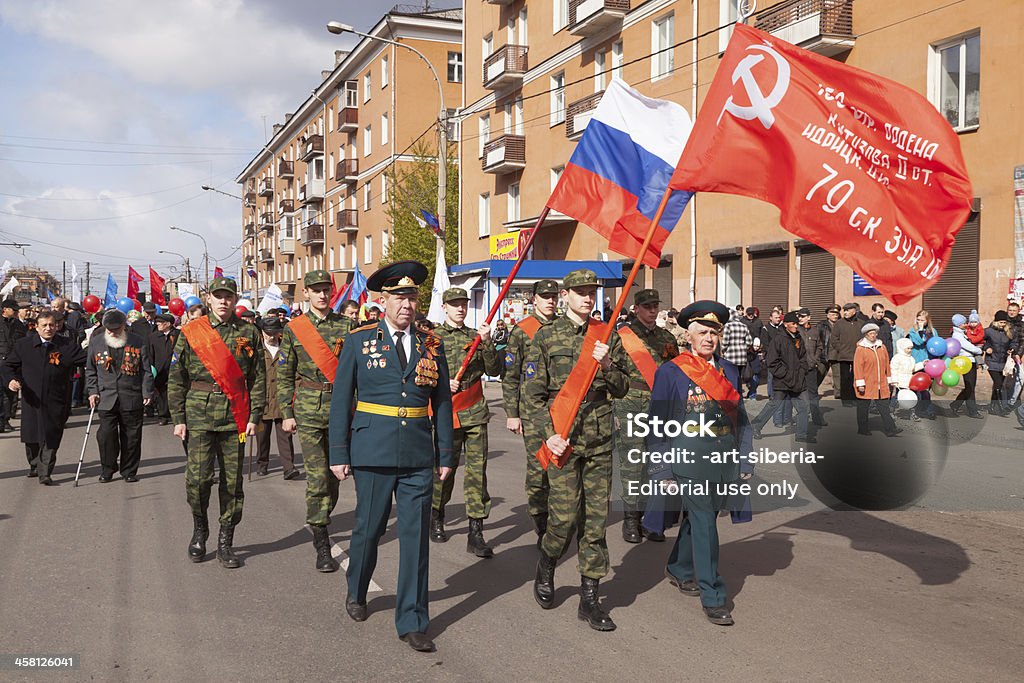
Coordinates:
<point>975,353</point>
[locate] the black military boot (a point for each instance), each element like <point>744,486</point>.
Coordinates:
<point>540,525</point>
<point>631,527</point>
<point>544,584</point>
<point>225,554</point>
<point>322,542</point>
<point>590,609</point>
<point>200,532</point>
<point>437,532</point>
<point>475,543</point>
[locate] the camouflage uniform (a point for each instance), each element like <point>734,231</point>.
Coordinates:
<point>212,432</point>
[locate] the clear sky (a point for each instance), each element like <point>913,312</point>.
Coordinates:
<point>115,112</point>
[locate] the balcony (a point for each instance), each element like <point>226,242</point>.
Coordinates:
<point>250,230</point>
<point>286,245</point>
<point>500,2</point>
<point>266,187</point>
<point>286,169</point>
<point>249,198</point>
<point>822,26</point>
<point>287,206</point>
<point>505,67</point>
<point>578,114</point>
<point>507,154</point>
<point>347,170</point>
<point>312,192</point>
<point>266,256</point>
<point>587,17</point>
<point>313,234</point>
<point>348,220</point>
<point>267,221</point>
<point>348,119</point>
<point>314,147</point>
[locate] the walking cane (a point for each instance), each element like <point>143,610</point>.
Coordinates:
<point>85,442</point>
<point>250,440</point>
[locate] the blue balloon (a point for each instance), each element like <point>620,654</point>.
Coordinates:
<point>125,305</point>
<point>936,347</point>
<point>159,309</point>
<point>193,300</point>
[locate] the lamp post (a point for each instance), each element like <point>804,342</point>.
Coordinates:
<point>188,273</point>
<point>255,239</point>
<point>226,194</point>
<point>338,28</point>
<point>206,251</point>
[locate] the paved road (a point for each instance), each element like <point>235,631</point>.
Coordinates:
<point>929,593</point>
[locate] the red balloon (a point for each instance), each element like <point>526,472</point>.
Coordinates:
<point>176,306</point>
<point>239,310</point>
<point>91,303</point>
<point>137,304</point>
<point>921,381</point>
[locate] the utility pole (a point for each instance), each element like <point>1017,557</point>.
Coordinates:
<point>64,278</point>
<point>88,279</point>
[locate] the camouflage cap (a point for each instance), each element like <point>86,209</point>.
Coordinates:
<point>545,287</point>
<point>224,283</point>
<point>454,294</point>
<point>579,278</point>
<point>317,277</point>
<point>646,296</point>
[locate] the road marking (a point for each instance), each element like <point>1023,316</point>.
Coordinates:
<point>339,554</point>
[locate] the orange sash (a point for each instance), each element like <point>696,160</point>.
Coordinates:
<point>639,353</point>
<point>713,382</point>
<point>572,394</point>
<point>466,398</point>
<point>213,353</point>
<point>529,325</point>
<point>315,346</point>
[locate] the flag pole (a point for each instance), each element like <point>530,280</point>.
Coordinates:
<point>606,335</point>
<point>504,290</point>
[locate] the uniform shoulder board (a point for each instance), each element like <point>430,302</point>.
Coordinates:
<point>363,328</point>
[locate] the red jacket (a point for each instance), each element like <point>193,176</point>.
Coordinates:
<point>871,370</point>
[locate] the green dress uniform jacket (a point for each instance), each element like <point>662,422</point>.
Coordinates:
<point>309,406</point>
<point>486,361</point>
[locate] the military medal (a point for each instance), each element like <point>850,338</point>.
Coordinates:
<point>369,364</point>
<point>383,362</point>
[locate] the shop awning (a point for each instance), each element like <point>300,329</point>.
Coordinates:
<point>468,282</point>
<point>609,273</point>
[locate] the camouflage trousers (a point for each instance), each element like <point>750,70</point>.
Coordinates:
<point>578,500</point>
<point>628,471</point>
<point>204,451</point>
<point>537,485</point>
<point>321,484</point>
<point>471,439</point>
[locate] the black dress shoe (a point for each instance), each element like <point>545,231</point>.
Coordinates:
<point>656,536</point>
<point>288,476</point>
<point>864,432</point>
<point>688,587</point>
<point>356,610</point>
<point>105,479</point>
<point>32,473</point>
<point>46,481</point>
<point>262,470</point>
<point>805,439</point>
<point>719,616</point>
<point>418,641</point>
<point>131,479</point>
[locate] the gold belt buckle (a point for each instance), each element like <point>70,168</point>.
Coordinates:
<point>402,411</point>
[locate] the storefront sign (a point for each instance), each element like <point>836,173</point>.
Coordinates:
<point>505,247</point>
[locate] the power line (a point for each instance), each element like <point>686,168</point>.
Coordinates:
<point>127,144</point>
<point>72,163</point>
<point>117,151</point>
<point>99,199</point>
<point>102,218</point>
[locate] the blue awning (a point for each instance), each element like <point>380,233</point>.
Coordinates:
<point>609,273</point>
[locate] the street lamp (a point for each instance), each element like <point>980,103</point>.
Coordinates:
<point>255,240</point>
<point>188,273</point>
<point>226,194</point>
<point>206,252</point>
<point>337,28</point>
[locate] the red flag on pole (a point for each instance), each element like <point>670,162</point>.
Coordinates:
<point>858,164</point>
<point>156,288</point>
<point>133,282</point>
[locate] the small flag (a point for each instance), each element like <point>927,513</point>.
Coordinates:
<point>133,283</point>
<point>218,271</point>
<point>110,298</point>
<point>156,287</point>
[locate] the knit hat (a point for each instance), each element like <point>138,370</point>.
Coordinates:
<point>868,327</point>
<point>974,317</point>
<point>959,320</point>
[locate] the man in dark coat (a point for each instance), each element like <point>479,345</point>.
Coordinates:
<point>161,349</point>
<point>842,344</point>
<point>786,360</point>
<point>11,330</point>
<point>119,382</point>
<point>146,325</point>
<point>41,365</point>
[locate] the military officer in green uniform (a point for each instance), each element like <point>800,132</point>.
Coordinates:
<point>470,417</point>
<point>578,498</point>
<point>389,378</point>
<point>304,392</point>
<point>216,391</point>
<point>545,302</point>
<point>641,339</point>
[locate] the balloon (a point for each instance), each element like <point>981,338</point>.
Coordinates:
<point>906,399</point>
<point>935,366</point>
<point>176,306</point>
<point>192,301</point>
<point>920,381</point>
<point>952,347</point>
<point>239,310</point>
<point>136,305</point>
<point>91,304</point>
<point>950,377</point>
<point>159,309</point>
<point>939,389</point>
<point>936,346</point>
<point>245,303</point>
<point>125,305</point>
<point>961,364</point>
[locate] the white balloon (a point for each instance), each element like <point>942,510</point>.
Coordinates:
<point>245,303</point>
<point>906,399</point>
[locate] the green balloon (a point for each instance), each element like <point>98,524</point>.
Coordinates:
<point>950,377</point>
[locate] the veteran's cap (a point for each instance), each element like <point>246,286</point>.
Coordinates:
<point>223,283</point>
<point>791,317</point>
<point>317,277</point>
<point>149,307</point>
<point>579,278</point>
<point>114,319</point>
<point>272,325</point>
<point>165,318</point>
<point>545,287</point>
<point>454,294</point>
<point>401,277</point>
<point>646,296</point>
<point>705,312</point>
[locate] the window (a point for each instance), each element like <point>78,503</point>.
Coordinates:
<point>384,128</point>
<point>730,280</point>
<point>485,131</point>
<point>513,202</point>
<point>728,14</point>
<point>384,72</point>
<point>330,119</point>
<point>956,77</point>
<point>556,173</point>
<point>600,64</point>
<point>485,214</point>
<point>558,98</point>
<point>367,85</point>
<point>662,38</point>
<point>367,141</point>
<point>353,254</point>
<point>455,67</point>
<point>385,243</point>
<point>617,60</point>
<point>383,189</point>
<point>341,257</point>
<point>519,116</point>
<point>368,249</point>
<point>507,109</point>
<point>332,258</point>
<point>523,35</point>
<point>486,47</point>
<point>331,168</point>
<point>560,14</point>
<point>351,94</point>
<point>366,196</point>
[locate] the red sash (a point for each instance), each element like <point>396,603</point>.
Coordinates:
<point>572,394</point>
<point>713,382</point>
<point>639,353</point>
<point>467,398</point>
<point>215,356</point>
<point>529,325</point>
<point>315,346</point>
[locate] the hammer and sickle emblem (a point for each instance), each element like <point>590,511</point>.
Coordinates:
<point>760,105</point>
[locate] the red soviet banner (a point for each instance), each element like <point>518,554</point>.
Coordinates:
<point>858,164</point>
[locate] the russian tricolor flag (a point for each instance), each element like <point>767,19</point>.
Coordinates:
<point>620,170</point>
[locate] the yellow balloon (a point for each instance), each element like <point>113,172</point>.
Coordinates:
<point>961,364</point>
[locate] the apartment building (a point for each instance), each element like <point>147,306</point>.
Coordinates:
<point>535,70</point>
<point>316,195</point>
